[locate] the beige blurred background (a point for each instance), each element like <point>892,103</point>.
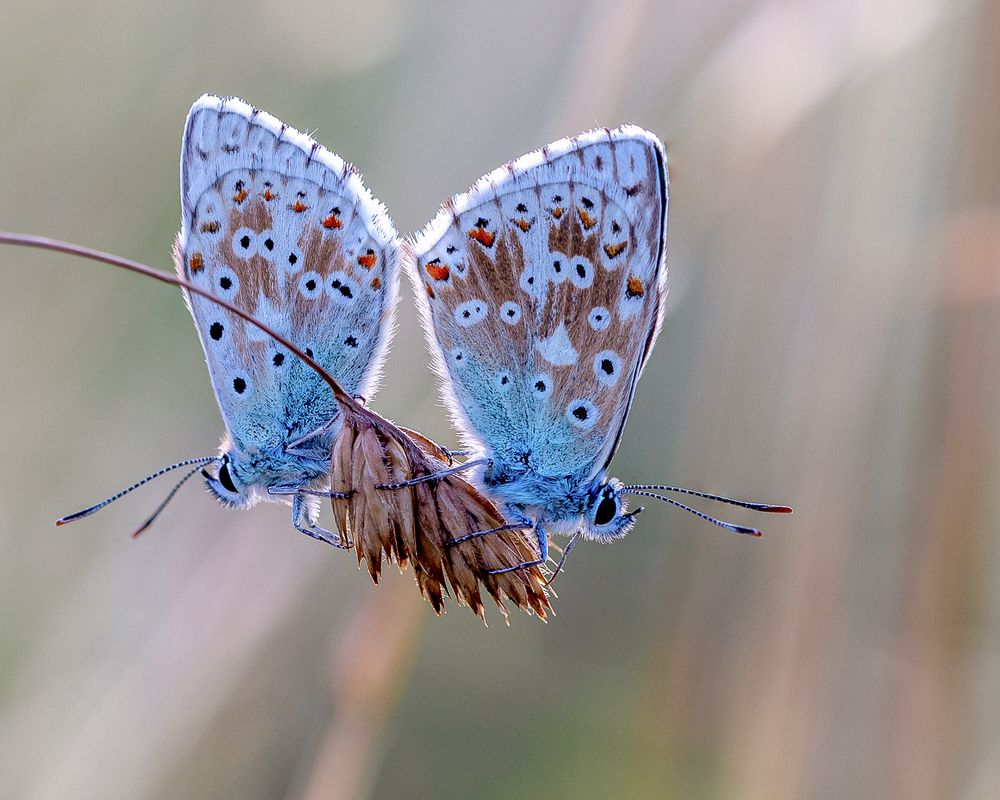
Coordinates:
<point>831,342</point>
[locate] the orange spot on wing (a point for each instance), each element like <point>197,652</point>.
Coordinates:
<point>367,260</point>
<point>196,262</point>
<point>614,250</point>
<point>585,218</point>
<point>523,224</point>
<point>269,195</point>
<point>430,291</point>
<point>438,272</point>
<point>376,283</point>
<point>298,207</point>
<point>557,212</point>
<point>634,287</point>
<point>481,235</point>
<point>333,221</point>
<point>210,227</point>
<point>240,196</point>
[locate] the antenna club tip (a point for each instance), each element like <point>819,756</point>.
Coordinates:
<point>778,509</point>
<point>61,521</point>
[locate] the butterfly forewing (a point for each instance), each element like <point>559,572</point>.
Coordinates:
<point>284,229</point>
<point>543,288</point>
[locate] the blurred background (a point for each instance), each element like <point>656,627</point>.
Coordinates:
<point>830,343</point>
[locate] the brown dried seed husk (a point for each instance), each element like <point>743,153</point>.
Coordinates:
<point>430,447</point>
<point>370,520</point>
<point>382,516</point>
<point>340,479</point>
<point>414,524</point>
<point>405,514</point>
<point>460,563</point>
<point>429,555</point>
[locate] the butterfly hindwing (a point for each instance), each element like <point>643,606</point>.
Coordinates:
<point>282,227</point>
<point>543,291</point>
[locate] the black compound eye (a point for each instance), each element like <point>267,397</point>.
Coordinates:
<point>227,480</point>
<point>607,510</point>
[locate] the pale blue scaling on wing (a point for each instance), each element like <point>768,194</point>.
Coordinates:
<point>326,280</point>
<point>559,418</point>
<point>284,229</point>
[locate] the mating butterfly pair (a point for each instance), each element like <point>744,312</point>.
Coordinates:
<point>541,290</point>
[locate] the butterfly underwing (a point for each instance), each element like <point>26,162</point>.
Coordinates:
<point>286,230</point>
<point>542,292</point>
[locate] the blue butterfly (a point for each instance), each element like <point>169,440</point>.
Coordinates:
<point>284,229</point>
<point>542,293</point>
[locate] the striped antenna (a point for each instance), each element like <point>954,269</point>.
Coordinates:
<point>650,489</point>
<point>97,507</point>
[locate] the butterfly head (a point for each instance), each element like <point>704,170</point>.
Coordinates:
<point>607,516</point>
<point>226,484</point>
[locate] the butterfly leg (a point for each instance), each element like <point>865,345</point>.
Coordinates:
<point>519,522</point>
<point>453,454</point>
<point>297,490</point>
<point>326,427</point>
<point>572,543</point>
<point>543,553</point>
<point>301,512</point>
<point>435,475</point>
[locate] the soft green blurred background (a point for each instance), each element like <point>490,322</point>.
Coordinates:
<point>831,342</point>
